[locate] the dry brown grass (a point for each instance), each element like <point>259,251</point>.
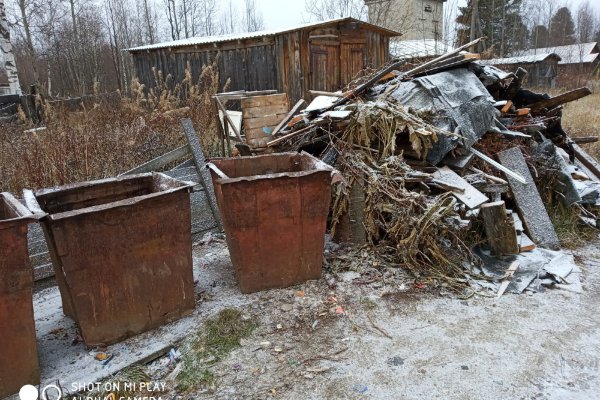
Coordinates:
<point>582,118</point>
<point>107,139</point>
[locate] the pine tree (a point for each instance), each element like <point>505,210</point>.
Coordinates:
<point>500,21</point>
<point>539,36</point>
<point>562,28</point>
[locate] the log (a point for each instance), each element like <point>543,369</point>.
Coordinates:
<point>499,229</point>
<point>556,101</point>
<point>585,139</point>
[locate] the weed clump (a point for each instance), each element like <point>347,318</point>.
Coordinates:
<point>218,337</point>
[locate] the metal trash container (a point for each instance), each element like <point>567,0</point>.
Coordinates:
<point>121,249</point>
<point>274,210</point>
<point>18,357</point>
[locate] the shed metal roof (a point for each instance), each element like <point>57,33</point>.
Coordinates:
<point>253,35</point>
<point>526,59</point>
<point>571,54</point>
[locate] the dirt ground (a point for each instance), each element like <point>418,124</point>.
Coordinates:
<point>374,334</point>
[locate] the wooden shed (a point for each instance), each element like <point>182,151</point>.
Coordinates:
<point>323,56</point>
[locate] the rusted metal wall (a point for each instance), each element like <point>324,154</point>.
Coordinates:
<point>18,358</point>
<point>274,210</point>
<point>323,58</point>
<point>121,250</point>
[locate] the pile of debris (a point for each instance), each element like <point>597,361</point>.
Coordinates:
<point>444,158</point>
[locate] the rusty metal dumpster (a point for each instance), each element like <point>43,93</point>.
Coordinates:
<point>18,357</point>
<point>121,251</point>
<point>274,210</point>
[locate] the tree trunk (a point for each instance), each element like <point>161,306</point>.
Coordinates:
<point>29,40</point>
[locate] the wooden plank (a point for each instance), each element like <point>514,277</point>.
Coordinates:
<point>556,101</point>
<point>525,243</point>
<point>529,203</point>
<point>264,101</point>
<point>507,106</point>
<point>270,121</point>
<point>159,162</point>
<point>590,163</point>
<point>226,116</point>
<point>499,229</point>
<point>585,139</point>
<point>510,272</point>
<point>471,197</point>
<point>257,112</point>
<point>301,103</point>
<point>200,161</point>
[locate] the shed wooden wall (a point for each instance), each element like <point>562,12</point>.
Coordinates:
<point>324,58</point>
<point>249,68</point>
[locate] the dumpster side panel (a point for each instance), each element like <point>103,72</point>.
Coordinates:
<point>275,228</point>
<point>128,269</point>
<point>18,357</point>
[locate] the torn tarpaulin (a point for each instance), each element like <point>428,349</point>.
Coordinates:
<point>460,102</point>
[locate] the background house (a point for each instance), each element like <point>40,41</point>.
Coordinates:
<point>579,62</point>
<point>542,68</point>
<point>318,56</point>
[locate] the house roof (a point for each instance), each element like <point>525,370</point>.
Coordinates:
<point>571,54</point>
<point>253,35</point>
<point>525,59</point>
<point>418,48</point>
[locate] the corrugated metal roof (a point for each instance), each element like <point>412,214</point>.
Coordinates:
<point>418,48</point>
<point>252,35</point>
<point>571,54</point>
<point>528,59</point>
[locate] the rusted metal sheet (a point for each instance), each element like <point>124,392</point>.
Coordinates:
<point>122,253</point>
<point>18,357</point>
<point>274,210</point>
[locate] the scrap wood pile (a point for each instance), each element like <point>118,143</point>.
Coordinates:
<point>444,158</point>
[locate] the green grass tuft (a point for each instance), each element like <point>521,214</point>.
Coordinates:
<point>218,337</point>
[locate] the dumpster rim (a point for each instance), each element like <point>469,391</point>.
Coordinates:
<point>320,167</point>
<point>34,204</point>
<point>24,214</point>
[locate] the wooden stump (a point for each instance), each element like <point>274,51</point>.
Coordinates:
<point>499,228</point>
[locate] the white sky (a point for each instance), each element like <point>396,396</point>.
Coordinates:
<point>279,14</point>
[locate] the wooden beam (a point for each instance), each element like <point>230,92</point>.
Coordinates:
<point>228,118</point>
<point>289,116</point>
<point>499,229</point>
<point>590,163</point>
<point>556,101</point>
<point>585,139</point>
<point>510,272</point>
<point>159,162</point>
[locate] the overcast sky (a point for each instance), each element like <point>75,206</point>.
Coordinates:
<point>279,14</point>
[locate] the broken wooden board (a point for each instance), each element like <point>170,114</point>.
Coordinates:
<point>471,197</point>
<point>499,228</point>
<point>556,101</point>
<point>590,163</point>
<point>525,243</point>
<point>510,272</point>
<point>531,208</point>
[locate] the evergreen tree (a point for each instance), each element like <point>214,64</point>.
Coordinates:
<point>562,28</point>
<point>539,36</point>
<point>500,21</point>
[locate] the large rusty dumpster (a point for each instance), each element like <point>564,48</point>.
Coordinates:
<point>121,251</point>
<point>274,210</point>
<point>18,354</point>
